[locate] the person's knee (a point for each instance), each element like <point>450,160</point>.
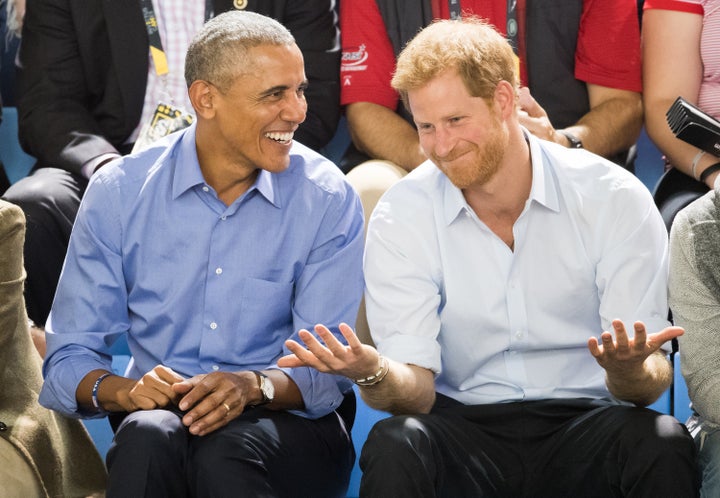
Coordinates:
<point>151,431</point>
<point>46,194</point>
<point>658,435</point>
<point>398,439</point>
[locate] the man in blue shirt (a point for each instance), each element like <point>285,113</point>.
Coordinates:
<point>207,251</point>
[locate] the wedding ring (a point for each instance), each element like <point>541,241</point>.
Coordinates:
<point>227,407</point>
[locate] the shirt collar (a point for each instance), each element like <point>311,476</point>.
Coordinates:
<point>543,189</point>
<point>188,174</point>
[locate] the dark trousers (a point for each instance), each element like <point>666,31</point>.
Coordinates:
<point>559,448</point>
<point>50,199</point>
<point>262,453</point>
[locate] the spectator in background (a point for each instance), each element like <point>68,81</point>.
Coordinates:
<point>42,453</point>
<point>579,64</point>
<point>491,272</point>
<point>681,59</point>
<point>89,82</point>
<point>695,302</point>
<point>576,92</point>
<point>207,251</point>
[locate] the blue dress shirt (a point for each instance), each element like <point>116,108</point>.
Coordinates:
<point>199,286</point>
<point>445,293</point>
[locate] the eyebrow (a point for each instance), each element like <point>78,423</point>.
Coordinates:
<point>282,88</point>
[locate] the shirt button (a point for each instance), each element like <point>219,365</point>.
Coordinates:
<point>223,218</point>
<point>213,325</point>
<point>215,368</point>
<point>218,271</point>
<point>205,188</point>
<point>519,334</point>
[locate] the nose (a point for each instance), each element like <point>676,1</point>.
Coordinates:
<point>443,142</point>
<point>295,109</point>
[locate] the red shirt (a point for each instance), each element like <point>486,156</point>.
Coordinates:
<point>607,53</point>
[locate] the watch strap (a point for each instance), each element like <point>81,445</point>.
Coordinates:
<point>575,142</point>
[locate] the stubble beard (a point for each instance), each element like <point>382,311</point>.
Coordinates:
<point>485,164</point>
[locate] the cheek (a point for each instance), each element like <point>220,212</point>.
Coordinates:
<point>426,143</point>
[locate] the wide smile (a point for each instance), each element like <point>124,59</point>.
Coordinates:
<point>281,138</point>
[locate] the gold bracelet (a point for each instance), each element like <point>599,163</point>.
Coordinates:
<point>377,377</point>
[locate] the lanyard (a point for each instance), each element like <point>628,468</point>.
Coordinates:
<point>512,24</point>
<point>454,7</point>
<point>156,48</point>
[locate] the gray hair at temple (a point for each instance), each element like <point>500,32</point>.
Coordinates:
<point>218,53</point>
<point>471,46</point>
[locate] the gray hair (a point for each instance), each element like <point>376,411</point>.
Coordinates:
<point>218,53</point>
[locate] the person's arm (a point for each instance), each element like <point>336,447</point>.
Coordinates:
<point>56,124</point>
<point>383,134</point>
<point>394,387</point>
<point>636,369</point>
<point>695,306</point>
<point>314,25</point>
<point>611,125</point>
<point>672,68</point>
<point>328,287</point>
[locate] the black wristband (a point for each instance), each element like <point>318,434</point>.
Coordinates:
<point>709,171</point>
<point>575,142</point>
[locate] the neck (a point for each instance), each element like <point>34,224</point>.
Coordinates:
<point>229,179</point>
<point>500,201</point>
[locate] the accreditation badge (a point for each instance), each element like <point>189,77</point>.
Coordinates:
<point>165,120</point>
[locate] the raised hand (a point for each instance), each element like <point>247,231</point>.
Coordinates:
<point>354,360</point>
<point>622,353</point>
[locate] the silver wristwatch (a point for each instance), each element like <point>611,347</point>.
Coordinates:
<point>266,388</point>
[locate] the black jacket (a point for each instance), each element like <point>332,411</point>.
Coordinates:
<point>83,74</point>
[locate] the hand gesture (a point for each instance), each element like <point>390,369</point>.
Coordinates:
<point>355,361</point>
<point>624,354</point>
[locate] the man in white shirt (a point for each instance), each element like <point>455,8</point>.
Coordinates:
<point>487,269</point>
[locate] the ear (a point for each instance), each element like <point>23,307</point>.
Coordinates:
<point>201,95</point>
<point>506,98</point>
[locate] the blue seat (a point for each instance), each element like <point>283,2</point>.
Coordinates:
<point>365,418</point>
<point>681,399</point>
<point>16,162</point>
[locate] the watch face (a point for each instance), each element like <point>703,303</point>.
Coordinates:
<point>268,389</point>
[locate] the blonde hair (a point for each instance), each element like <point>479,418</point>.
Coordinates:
<point>471,46</point>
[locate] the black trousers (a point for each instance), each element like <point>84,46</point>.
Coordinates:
<point>262,453</point>
<point>50,199</point>
<point>559,448</point>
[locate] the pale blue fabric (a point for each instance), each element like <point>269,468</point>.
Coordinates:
<point>199,286</point>
<point>497,324</point>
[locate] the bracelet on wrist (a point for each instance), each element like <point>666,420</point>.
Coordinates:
<point>709,171</point>
<point>377,377</point>
<point>575,142</point>
<point>695,161</point>
<point>95,388</point>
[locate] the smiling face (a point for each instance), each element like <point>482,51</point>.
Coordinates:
<point>254,119</point>
<point>461,134</point>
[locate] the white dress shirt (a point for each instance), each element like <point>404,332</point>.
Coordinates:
<point>445,293</point>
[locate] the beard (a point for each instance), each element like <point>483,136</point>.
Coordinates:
<point>480,163</point>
